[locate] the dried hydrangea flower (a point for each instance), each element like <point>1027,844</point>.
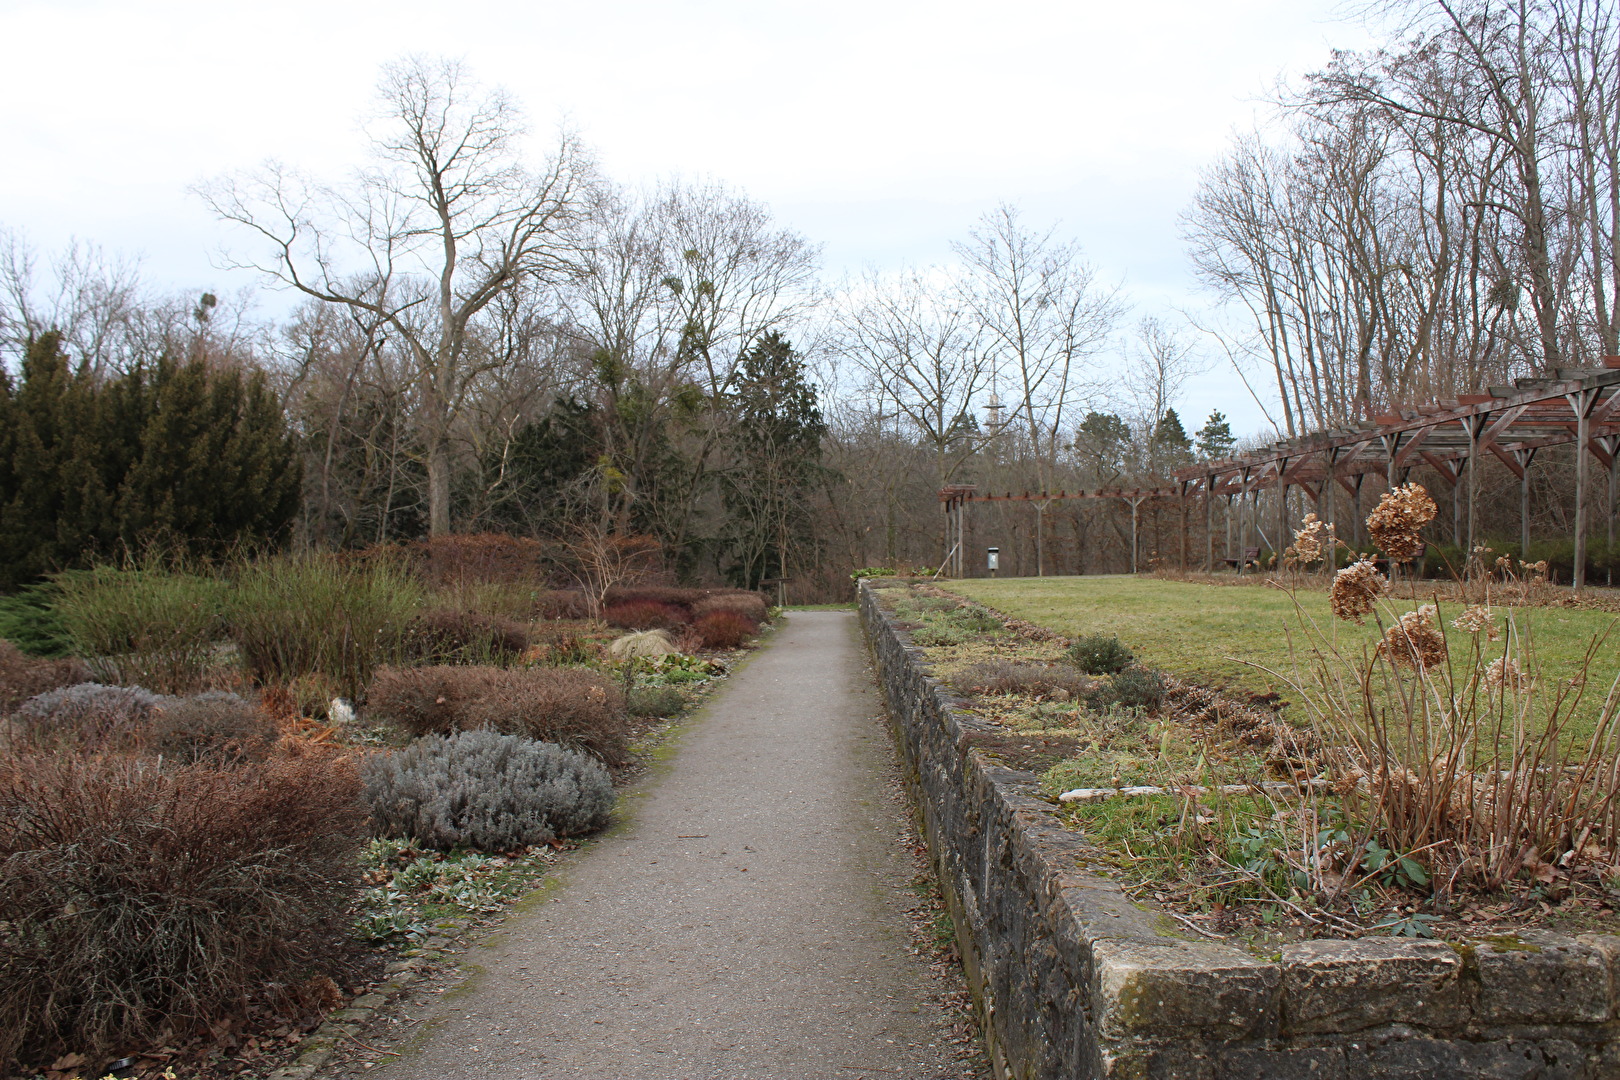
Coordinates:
<point>1395,521</point>
<point>1504,672</point>
<point>1313,535</point>
<point>1356,590</point>
<point>1477,619</point>
<point>1415,641</point>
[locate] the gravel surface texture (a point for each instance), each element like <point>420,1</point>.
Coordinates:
<point>745,920</point>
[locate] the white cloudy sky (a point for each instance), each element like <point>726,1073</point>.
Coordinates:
<point>881,128</point>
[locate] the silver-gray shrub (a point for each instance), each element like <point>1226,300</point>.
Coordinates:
<point>483,790</point>
<point>88,715</point>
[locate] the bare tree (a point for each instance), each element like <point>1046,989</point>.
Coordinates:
<point>1044,314</point>
<point>916,342</point>
<point>445,220</point>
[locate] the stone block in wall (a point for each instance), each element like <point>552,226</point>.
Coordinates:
<point>1182,989</point>
<point>1341,986</point>
<point>1541,978</point>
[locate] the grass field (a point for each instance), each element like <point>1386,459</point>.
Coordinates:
<point>1214,633</point>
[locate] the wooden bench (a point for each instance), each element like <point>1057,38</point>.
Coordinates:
<point>1251,557</point>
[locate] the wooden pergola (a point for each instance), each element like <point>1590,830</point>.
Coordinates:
<point>1510,424</point>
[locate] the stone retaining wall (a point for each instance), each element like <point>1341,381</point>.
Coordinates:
<point>1074,980</point>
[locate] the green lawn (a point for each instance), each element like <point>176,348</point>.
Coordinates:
<point>1207,632</point>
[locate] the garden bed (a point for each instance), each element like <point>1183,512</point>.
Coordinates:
<point>1077,977</point>
<point>343,766</point>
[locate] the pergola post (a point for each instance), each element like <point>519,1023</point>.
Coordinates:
<point>1135,503</point>
<point>1524,458</point>
<point>1209,523</point>
<point>1582,402</point>
<point>1282,512</point>
<point>1183,501</point>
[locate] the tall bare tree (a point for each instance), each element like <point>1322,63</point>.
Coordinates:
<point>1044,314</point>
<point>446,219</point>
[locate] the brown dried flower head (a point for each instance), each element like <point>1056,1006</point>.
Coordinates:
<point>1395,521</point>
<point>1534,569</point>
<point>1356,590</point>
<point>1478,619</point>
<point>1504,672</point>
<point>1415,641</point>
<point>1311,538</point>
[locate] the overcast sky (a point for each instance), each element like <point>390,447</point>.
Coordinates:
<point>879,128</point>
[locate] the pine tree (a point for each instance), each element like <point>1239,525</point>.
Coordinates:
<point>1170,448</point>
<point>97,469</point>
<point>1215,439</point>
<point>775,440</point>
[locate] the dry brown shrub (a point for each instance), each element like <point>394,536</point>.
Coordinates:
<point>1059,682</point>
<point>463,637</point>
<point>138,897</point>
<point>23,676</point>
<point>570,706</point>
<point>724,629</point>
<point>1356,590</point>
<point>1394,523</point>
<point>653,594</point>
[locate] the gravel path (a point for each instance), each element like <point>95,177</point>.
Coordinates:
<point>746,923</point>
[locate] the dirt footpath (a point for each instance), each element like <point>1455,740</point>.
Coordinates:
<point>745,922</point>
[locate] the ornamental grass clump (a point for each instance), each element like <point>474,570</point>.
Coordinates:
<point>487,791</point>
<point>316,615</point>
<point>1058,683</point>
<point>145,625</point>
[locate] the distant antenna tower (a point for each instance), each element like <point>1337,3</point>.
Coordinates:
<point>993,424</point>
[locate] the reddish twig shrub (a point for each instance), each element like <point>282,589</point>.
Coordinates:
<point>645,615</point>
<point>562,604</point>
<point>570,706</point>
<point>136,897</point>
<point>724,629</point>
<point>480,558</point>
<point>654,594</point>
<point>23,676</point>
<point>750,604</point>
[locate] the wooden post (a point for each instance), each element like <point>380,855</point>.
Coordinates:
<point>1282,514</point>
<point>1134,546</point>
<point>1582,402</point>
<point>1525,457</point>
<point>1209,524</point>
<point>1183,501</point>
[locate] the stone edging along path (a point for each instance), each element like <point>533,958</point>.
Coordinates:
<point>1075,980</point>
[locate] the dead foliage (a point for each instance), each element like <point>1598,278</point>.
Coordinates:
<point>573,707</point>
<point>140,898</point>
<point>23,676</point>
